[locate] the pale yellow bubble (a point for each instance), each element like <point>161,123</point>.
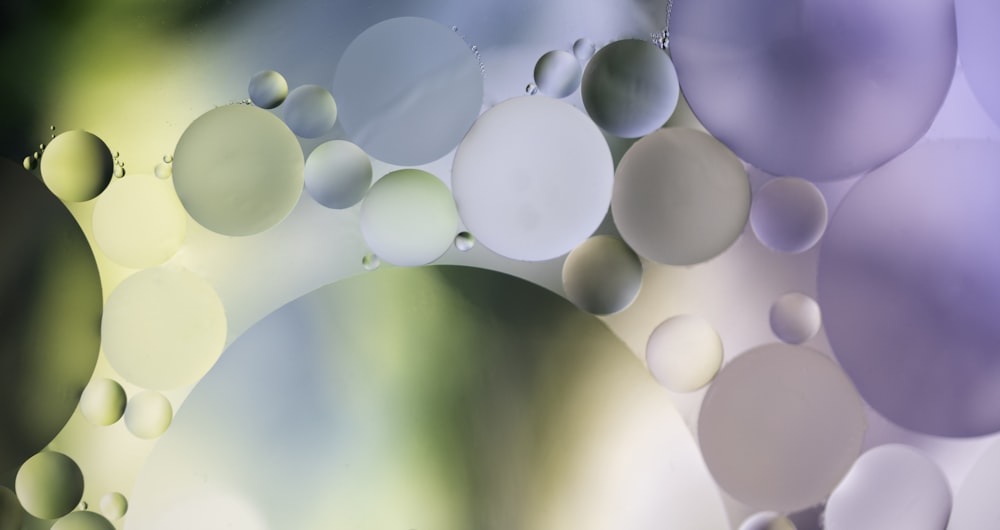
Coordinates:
<point>114,505</point>
<point>684,353</point>
<point>102,402</point>
<point>49,485</point>
<point>139,222</point>
<point>148,415</point>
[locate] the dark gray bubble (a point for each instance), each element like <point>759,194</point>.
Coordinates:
<point>602,276</point>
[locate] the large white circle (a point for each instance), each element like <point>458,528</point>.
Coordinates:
<point>139,222</point>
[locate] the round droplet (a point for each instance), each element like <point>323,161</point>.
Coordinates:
<point>36,156</point>
<point>767,521</point>
<point>795,318</point>
<point>119,171</point>
<point>464,241</point>
<point>82,506</point>
<point>163,328</point>
<point>139,222</point>
<point>680,197</point>
<point>408,218</point>
<point>103,402</point>
<point>238,170</point>
<point>148,415</point>
<point>77,166</point>
<point>531,89</point>
<point>114,505</point>
<point>630,88</point>
<point>409,89</point>
<point>557,74</point>
<point>975,506</point>
<point>788,214</point>
<point>310,111</point>
<point>49,485</point>
<point>30,163</point>
<point>780,426</point>
<point>533,178</point>
<point>52,127</point>
<point>370,262</point>
<point>584,49</point>
<point>83,521</point>
<point>11,513</point>
<point>268,89</point>
<point>163,171</point>
<point>167,159</point>
<point>117,154</point>
<point>602,276</point>
<point>684,353</point>
<point>338,174</point>
<point>822,90</point>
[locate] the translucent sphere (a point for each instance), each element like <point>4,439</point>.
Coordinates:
<point>630,88</point>
<point>11,513</point>
<point>557,74</point>
<point>684,353</point>
<point>148,414</point>
<point>795,318</point>
<point>77,166</point>
<point>238,170</point>
<point>533,178</point>
<point>584,49</point>
<point>680,197</point>
<point>139,222</point>
<point>788,214</point>
<point>464,241</point>
<point>767,521</point>
<point>310,111</point>
<point>49,485</point>
<point>370,262</point>
<point>103,402</point>
<point>602,276</point>
<point>978,41</point>
<point>114,505</point>
<point>408,218</point>
<point>975,504</point>
<point>268,89</point>
<point>338,174</point>
<point>83,521</point>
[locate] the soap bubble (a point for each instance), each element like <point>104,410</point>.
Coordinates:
<point>584,49</point>
<point>795,318</point>
<point>975,506</point>
<point>370,262</point>
<point>77,166</point>
<point>83,521</point>
<point>148,415</point>
<point>780,426</point>
<point>49,485</point>
<point>114,505</point>
<point>533,178</point>
<point>30,163</point>
<point>978,41</point>
<point>788,214</point>
<point>310,111</point>
<point>908,286</point>
<point>684,353</point>
<point>890,486</point>
<point>767,521</point>
<point>531,89</point>
<point>630,88</point>
<point>409,89</point>
<point>238,170</point>
<point>680,197</point>
<point>338,174</point>
<point>408,218</point>
<point>163,328</point>
<point>139,222</point>
<point>822,90</point>
<point>11,513</point>
<point>557,74</point>
<point>602,276</point>
<point>464,241</point>
<point>268,89</point>
<point>163,171</point>
<point>102,402</point>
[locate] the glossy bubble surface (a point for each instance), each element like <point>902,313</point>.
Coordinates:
<point>114,505</point>
<point>557,74</point>
<point>788,214</point>
<point>684,353</point>
<point>267,89</point>
<point>49,485</point>
<point>310,111</point>
<point>103,402</point>
<point>337,174</point>
<point>83,521</point>
<point>148,414</point>
<point>602,275</point>
<point>77,166</point>
<point>795,318</point>
<point>139,222</point>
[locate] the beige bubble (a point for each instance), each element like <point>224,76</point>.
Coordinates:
<point>114,505</point>
<point>684,353</point>
<point>139,222</point>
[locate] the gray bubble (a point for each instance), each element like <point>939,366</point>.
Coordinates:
<point>584,49</point>
<point>268,89</point>
<point>370,262</point>
<point>531,89</point>
<point>338,174</point>
<point>795,318</point>
<point>602,276</point>
<point>310,111</point>
<point>788,214</point>
<point>557,74</point>
<point>49,485</point>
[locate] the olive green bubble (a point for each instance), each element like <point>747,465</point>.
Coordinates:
<point>83,521</point>
<point>103,402</point>
<point>49,485</point>
<point>77,166</point>
<point>11,513</point>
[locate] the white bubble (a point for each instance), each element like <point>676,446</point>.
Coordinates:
<point>602,276</point>
<point>767,521</point>
<point>310,111</point>
<point>557,74</point>
<point>102,402</point>
<point>684,353</point>
<point>338,174</point>
<point>83,521</point>
<point>148,415</point>
<point>77,166</point>
<point>533,178</point>
<point>114,505</point>
<point>268,89</point>
<point>163,171</point>
<point>795,318</point>
<point>464,241</point>
<point>49,485</point>
<point>139,222</point>
<point>584,49</point>
<point>788,214</point>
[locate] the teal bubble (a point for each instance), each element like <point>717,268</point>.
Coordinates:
<point>49,485</point>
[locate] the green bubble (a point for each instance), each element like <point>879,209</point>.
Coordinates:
<point>11,513</point>
<point>148,415</point>
<point>103,402</point>
<point>77,166</point>
<point>49,485</point>
<point>83,521</point>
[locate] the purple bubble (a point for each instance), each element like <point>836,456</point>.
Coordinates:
<point>978,42</point>
<point>821,89</point>
<point>910,291</point>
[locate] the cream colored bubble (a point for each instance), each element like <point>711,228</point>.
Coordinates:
<point>114,505</point>
<point>684,353</point>
<point>77,166</point>
<point>148,414</point>
<point>49,485</point>
<point>163,328</point>
<point>11,513</point>
<point>602,276</point>
<point>103,402</point>
<point>139,222</point>
<point>83,521</point>
<point>795,318</point>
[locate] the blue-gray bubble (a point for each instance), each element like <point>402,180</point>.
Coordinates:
<point>310,111</point>
<point>268,89</point>
<point>338,174</point>
<point>557,74</point>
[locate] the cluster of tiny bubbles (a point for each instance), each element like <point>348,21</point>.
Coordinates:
<point>557,73</point>
<point>83,521</point>
<point>531,89</point>
<point>795,318</point>
<point>630,88</point>
<point>139,222</point>
<point>370,262</point>
<point>602,275</point>
<point>464,241</point>
<point>11,516</point>
<point>102,402</point>
<point>114,505</point>
<point>77,166</point>
<point>890,486</point>
<point>684,353</point>
<point>148,414</point>
<point>788,214</point>
<point>268,89</point>
<point>584,49</point>
<point>49,485</point>
<point>408,218</point>
<point>310,111</point>
<point>30,163</point>
<point>767,521</point>
<point>338,174</point>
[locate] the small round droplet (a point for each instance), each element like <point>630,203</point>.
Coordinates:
<point>167,159</point>
<point>30,163</point>
<point>114,505</point>
<point>584,49</point>
<point>684,353</point>
<point>117,154</point>
<point>163,171</point>
<point>531,89</point>
<point>36,155</point>
<point>454,28</point>
<point>119,171</point>
<point>103,402</point>
<point>464,241</point>
<point>52,127</point>
<point>267,89</point>
<point>82,506</point>
<point>795,318</point>
<point>41,147</point>
<point>338,174</point>
<point>49,485</point>
<point>148,415</point>
<point>788,214</point>
<point>767,521</point>
<point>370,262</point>
<point>557,74</point>
<point>475,48</point>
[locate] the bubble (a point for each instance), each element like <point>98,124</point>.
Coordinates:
<point>338,174</point>
<point>30,163</point>
<point>11,514</point>
<point>557,74</point>
<point>584,49</point>
<point>41,147</point>
<point>139,222</point>
<point>49,485</point>
<point>119,171</point>
<point>975,504</point>
<point>780,426</point>
<point>102,402</point>
<point>83,521</point>
<point>788,214</point>
<point>163,171</point>
<point>531,89</point>
<point>464,241</point>
<point>267,89</point>
<point>684,353</point>
<point>370,262</point>
<point>148,415</point>
<point>408,218</point>
<point>77,166</point>
<point>114,505</point>
<point>820,91</point>
<point>795,318</point>
<point>163,328</point>
<point>908,286</point>
<point>630,88</point>
<point>310,111</point>
<point>977,40</point>
<point>238,170</point>
<point>167,159</point>
<point>890,486</point>
<point>680,197</point>
<point>533,178</point>
<point>602,276</point>
<point>409,89</point>
<point>767,521</point>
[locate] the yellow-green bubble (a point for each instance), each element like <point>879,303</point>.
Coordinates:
<point>49,485</point>
<point>148,415</point>
<point>77,166</point>
<point>11,513</point>
<point>114,505</point>
<point>83,521</point>
<point>103,402</point>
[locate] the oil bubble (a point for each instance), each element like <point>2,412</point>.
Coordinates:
<point>370,262</point>
<point>77,166</point>
<point>767,521</point>
<point>464,241</point>
<point>103,402</point>
<point>268,89</point>
<point>49,485</point>
<point>139,222</point>
<point>684,353</point>
<point>602,276</point>
<point>83,521</point>
<point>114,505</point>
<point>338,174</point>
<point>557,74</point>
<point>148,414</point>
<point>788,214</point>
<point>310,111</point>
<point>584,49</point>
<point>795,318</point>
